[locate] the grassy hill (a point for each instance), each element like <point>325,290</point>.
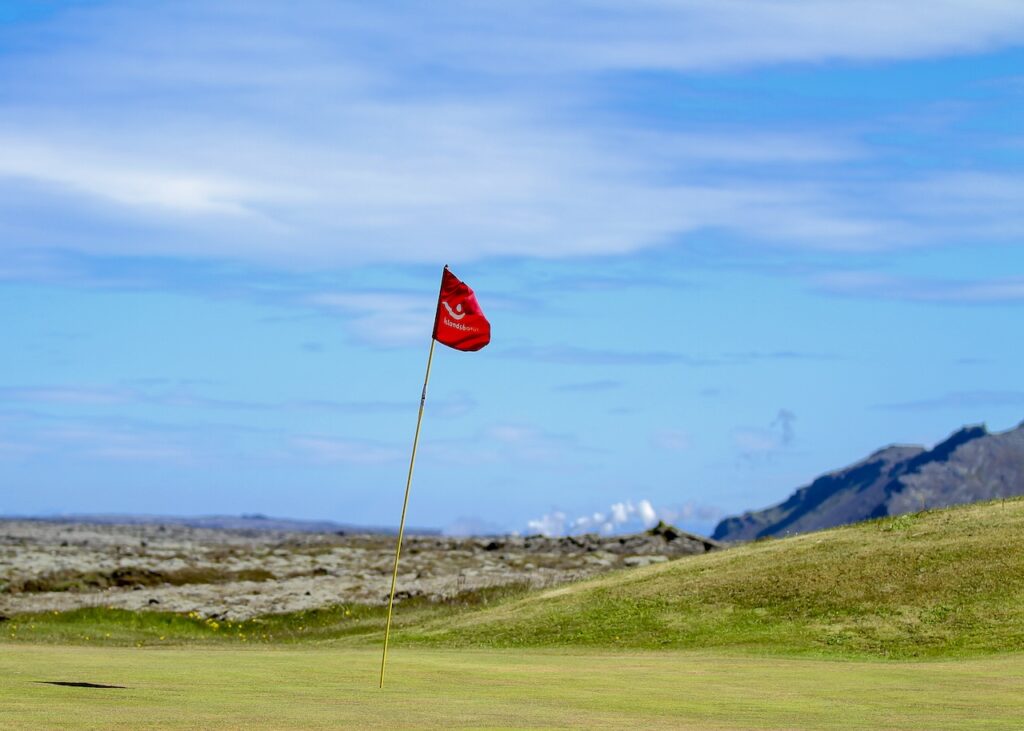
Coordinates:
<point>938,583</point>
<point>932,584</point>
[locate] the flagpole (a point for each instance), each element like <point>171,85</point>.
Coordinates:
<point>405,505</point>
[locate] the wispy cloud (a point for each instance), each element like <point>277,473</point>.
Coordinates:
<point>107,442</point>
<point>672,440</point>
<point>709,34</point>
<point>93,431</point>
<point>575,355</point>
<point>784,423</point>
<point>751,356</point>
<point>13,449</point>
<point>382,318</point>
<point>198,148</point>
<point>105,177</point>
<point>877,285</point>
<point>349,451</point>
<point>758,442</point>
<point>606,384</point>
<point>67,395</point>
<point>959,400</point>
<point>578,355</point>
<point>160,392</point>
<point>753,441</point>
<point>513,444</point>
<point>32,265</point>
<point>524,443</point>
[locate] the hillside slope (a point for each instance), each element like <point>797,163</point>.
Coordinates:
<point>971,465</point>
<point>938,583</point>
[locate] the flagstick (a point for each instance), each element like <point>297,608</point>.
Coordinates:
<point>405,504</point>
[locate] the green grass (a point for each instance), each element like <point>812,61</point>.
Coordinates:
<point>336,687</point>
<point>945,583</point>
<point>779,634</point>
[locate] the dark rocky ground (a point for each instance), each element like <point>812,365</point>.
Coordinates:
<point>243,573</point>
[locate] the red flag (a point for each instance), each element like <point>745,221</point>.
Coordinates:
<point>459,322</point>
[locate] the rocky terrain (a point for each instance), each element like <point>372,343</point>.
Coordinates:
<point>237,574</point>
<point>969,466</point>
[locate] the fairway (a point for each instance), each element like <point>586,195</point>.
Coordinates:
<point>326,687</point>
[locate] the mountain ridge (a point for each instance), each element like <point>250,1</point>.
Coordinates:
<point>971,464</point>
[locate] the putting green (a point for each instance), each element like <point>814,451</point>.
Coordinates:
<point>336,687</point>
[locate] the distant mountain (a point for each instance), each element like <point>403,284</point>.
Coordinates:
<point>250,522</point>
<point>969,466</point>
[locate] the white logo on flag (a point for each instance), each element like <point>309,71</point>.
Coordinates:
<point>457,313</point>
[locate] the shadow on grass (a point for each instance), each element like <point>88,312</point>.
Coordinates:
<point>77,684</point>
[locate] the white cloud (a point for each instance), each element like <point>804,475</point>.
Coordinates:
<point>618,513</point>
<point>647,513</point>
<point>625,516</point>
<point>381,318</point>
<point>144,185</point>
<point>444,190</point>
<point>550,524</point>
<point>689,511</point>
<point>352,451</point>
<point>577,34</point>
<point>314,138</point>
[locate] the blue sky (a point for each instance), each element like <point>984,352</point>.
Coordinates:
<point>724,246</point>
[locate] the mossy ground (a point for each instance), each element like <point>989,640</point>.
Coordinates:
<point>352,622</point>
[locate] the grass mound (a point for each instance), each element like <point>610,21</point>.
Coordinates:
<point>937,583</point>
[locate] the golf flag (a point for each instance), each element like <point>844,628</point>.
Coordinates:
<point>459,322</point>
